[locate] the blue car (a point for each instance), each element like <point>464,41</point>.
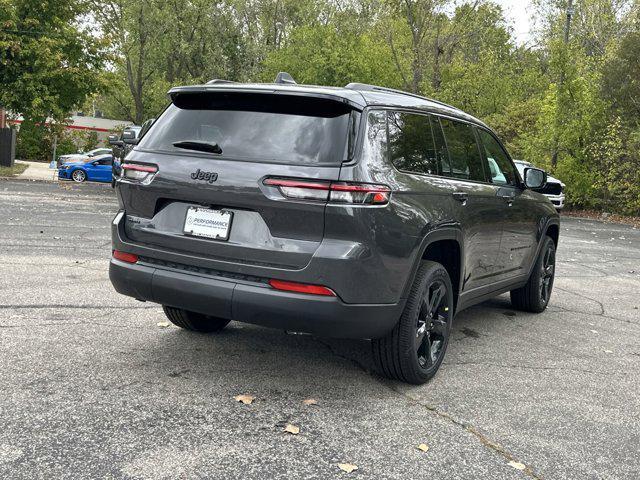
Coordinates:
<point>96,169</point>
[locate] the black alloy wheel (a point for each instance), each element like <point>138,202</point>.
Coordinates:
<point>413,351</point>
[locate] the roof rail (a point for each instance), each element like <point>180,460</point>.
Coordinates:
<point>365,87</point>
<point>284,77</point>
<point>219,81</point>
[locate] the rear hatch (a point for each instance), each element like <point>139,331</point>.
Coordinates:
<point>210,157</point>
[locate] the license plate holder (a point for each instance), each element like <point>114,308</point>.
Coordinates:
<point>208,223</point>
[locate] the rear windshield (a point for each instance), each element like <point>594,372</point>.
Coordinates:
<point>256,127</point>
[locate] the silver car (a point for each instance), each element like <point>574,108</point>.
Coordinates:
<point>554,188</point>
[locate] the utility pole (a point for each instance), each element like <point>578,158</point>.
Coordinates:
<point>567,28</point>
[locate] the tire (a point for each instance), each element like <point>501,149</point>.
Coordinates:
<point>409,353</point>
<point>78,176</point>
<point>195,322</point>
<point>535,295</point>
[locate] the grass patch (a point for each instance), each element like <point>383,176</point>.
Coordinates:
<point>17,169</point>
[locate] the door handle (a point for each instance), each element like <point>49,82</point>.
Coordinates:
<point>462,197</point>
<point>509,198</point>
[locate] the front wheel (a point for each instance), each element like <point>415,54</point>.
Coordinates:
<point>413,351</point>
<point>79,176</point>
<point>196,322</point>
<point>535,295</point>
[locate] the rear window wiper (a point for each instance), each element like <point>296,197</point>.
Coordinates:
<point>196,145</point>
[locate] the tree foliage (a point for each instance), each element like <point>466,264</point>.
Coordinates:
<point>48,63</point>
<point>570,104</point>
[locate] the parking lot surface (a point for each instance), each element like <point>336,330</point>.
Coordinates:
<point>93,387</point>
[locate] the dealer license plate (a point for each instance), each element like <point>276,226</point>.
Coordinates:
<point>205,222</point>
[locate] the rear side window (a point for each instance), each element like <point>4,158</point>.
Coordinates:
<point>501,169</point>
<point>465,158</point>
<point>256,127</point>
<point>411,143</point>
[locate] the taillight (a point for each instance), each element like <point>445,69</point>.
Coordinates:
<point>301,288</point>
<point>338,192</point>
<point>138,172</point>
<point>125,257</point>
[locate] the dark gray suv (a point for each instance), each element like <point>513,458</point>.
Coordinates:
<point>356,212</point>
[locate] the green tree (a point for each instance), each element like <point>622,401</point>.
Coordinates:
<point>49,64</point>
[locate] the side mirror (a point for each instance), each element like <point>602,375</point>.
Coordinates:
<point>129,137</point>
<point>534,178</point>
<point>113,140</point>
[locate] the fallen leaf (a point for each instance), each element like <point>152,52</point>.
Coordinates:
<point>246,399</point>
<point>163,324</point>
<point>517,465</point>
<point>310,401</point>
<point>292,429</point>
<point>423,446</point>
<point>347,467</point>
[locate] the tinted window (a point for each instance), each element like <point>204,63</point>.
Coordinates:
<point>374,147</point>
<point>466,162</point>
<point>256,127</point>
<point>441,147</point>
<point>501,169</point>
<point>411,143</point>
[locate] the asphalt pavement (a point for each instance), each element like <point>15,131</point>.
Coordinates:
<point>94,385</point>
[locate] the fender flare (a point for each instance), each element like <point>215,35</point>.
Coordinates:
<point>449,232</point>
<point>542,233</point>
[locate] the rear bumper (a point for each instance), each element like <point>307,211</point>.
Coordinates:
<point>253,302</point>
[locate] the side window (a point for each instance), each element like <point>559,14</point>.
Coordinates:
<point>466,162</point>
<point>501,169</point>
<point>441,147</point>
<point>374,147</point>
<point>411,144</point>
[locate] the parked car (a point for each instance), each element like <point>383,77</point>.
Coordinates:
<point>80,156</point>
<point>97,169</point>
<point>355,212</point>
<point>553,189</point>
<point>123,144</point>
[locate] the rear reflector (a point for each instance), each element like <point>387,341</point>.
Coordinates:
<point>125,257</point>
<point>339,192</point>
<point>301,288</point>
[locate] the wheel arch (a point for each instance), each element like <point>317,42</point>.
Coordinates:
<point>76,169</point>
<point>553,231</point>
<point>446,247</point>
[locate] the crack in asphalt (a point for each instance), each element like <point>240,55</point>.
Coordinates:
<point>88,321</point>
<point>602,313</point>
<point>597,302</point>
<point>484,439</point>
<point>529,367</point>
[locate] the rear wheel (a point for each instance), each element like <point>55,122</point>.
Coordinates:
<point>534,296</point>
<point>413,351</point>
<point>79,176</point>
<point>196,322</point>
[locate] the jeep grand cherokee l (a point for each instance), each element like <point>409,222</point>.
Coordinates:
<point>356,212</point>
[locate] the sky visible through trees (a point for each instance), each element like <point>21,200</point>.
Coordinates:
<point>567,103</point>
